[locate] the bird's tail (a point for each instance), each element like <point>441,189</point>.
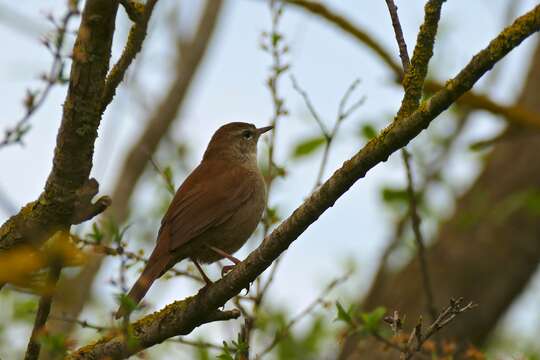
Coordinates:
<point>141,286</point>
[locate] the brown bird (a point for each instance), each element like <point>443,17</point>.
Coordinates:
<point>214,211</point>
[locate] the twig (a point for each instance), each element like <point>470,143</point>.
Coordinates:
<point>136,37</point>
<point>274,44</point>
<point>302,314</point>
<point>403,54</point>
<point>310,107</point>
<point>416,221</point>
<point>166,178</point>
<point>120,251</point>
<point>34,99</point>
<point>455,308</point>
<point>82,323</point>
<point>413,89</point>
<point>342,114</point>
<point>34,346</point>
<point>197,343</point>
<point>417,338</point>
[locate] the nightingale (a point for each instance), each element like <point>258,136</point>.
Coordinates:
<point>214,211</point>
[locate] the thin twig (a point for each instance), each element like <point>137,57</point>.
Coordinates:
<point>413,90</point>
<point>455,308</point>
<point>310,107</point>
<point>136,37</point>
<point>403,54</point>
<point>197,343</point>
<point>416,337</point>
<point>120,251</point>
<point>342,114</point>
<point>34,100</point>
<point>81,323</point>
<point>416,221</point>
<point>274,44</point>
<point>302,314</point>
<point>44,308</point>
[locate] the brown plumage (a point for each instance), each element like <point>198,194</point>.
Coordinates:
<point>218,206</point>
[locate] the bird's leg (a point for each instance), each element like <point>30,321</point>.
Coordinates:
<point>225,269</point>
<point>220,252</point>
<point>224,254</point>
<point>205,278</point>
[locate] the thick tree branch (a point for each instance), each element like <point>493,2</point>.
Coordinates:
<point>72,161</point>
<point>516,114</point>
<point>182,317</point>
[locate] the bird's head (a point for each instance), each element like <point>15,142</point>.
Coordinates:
<point>236,141</point>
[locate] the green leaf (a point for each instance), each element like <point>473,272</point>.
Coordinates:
<point>394,195</point>
<point>168,177</point>
<point>368,131</point>
<point>343,315</point>
<point>372,320</point>
<point>54,344</point>
<point>126,303</point>
<point>25,310</point>
<point>226,354</point>
<point>96,234</point>
<point>307,147</point>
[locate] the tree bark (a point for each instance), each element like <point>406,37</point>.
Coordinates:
<point>487,252</point>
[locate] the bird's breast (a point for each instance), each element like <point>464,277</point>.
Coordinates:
<point>233,233</point>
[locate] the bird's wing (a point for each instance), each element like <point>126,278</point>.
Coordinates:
<point>210,196</point>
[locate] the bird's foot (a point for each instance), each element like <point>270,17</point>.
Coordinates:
<point>225,269</point>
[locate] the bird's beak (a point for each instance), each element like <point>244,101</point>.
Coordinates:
<point>262,130</point>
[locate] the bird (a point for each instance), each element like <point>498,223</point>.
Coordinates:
<point>215,210</point>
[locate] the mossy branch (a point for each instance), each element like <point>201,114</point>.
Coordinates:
<point>60,200</point>
<point>182,317</point>
<point>141,16</point>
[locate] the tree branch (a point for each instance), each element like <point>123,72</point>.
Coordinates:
<point>34,346</point>
<point>413,83</point>
<point>182,317</point>
<point>72,161</point>
<point>516,114</point>
<point>136,36</point>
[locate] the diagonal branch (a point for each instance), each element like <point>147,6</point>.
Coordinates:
<point>183,316</point>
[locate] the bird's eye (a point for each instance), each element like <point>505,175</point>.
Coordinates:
<point>247,134</point>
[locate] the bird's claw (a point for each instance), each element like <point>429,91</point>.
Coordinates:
<point>225,270</point>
